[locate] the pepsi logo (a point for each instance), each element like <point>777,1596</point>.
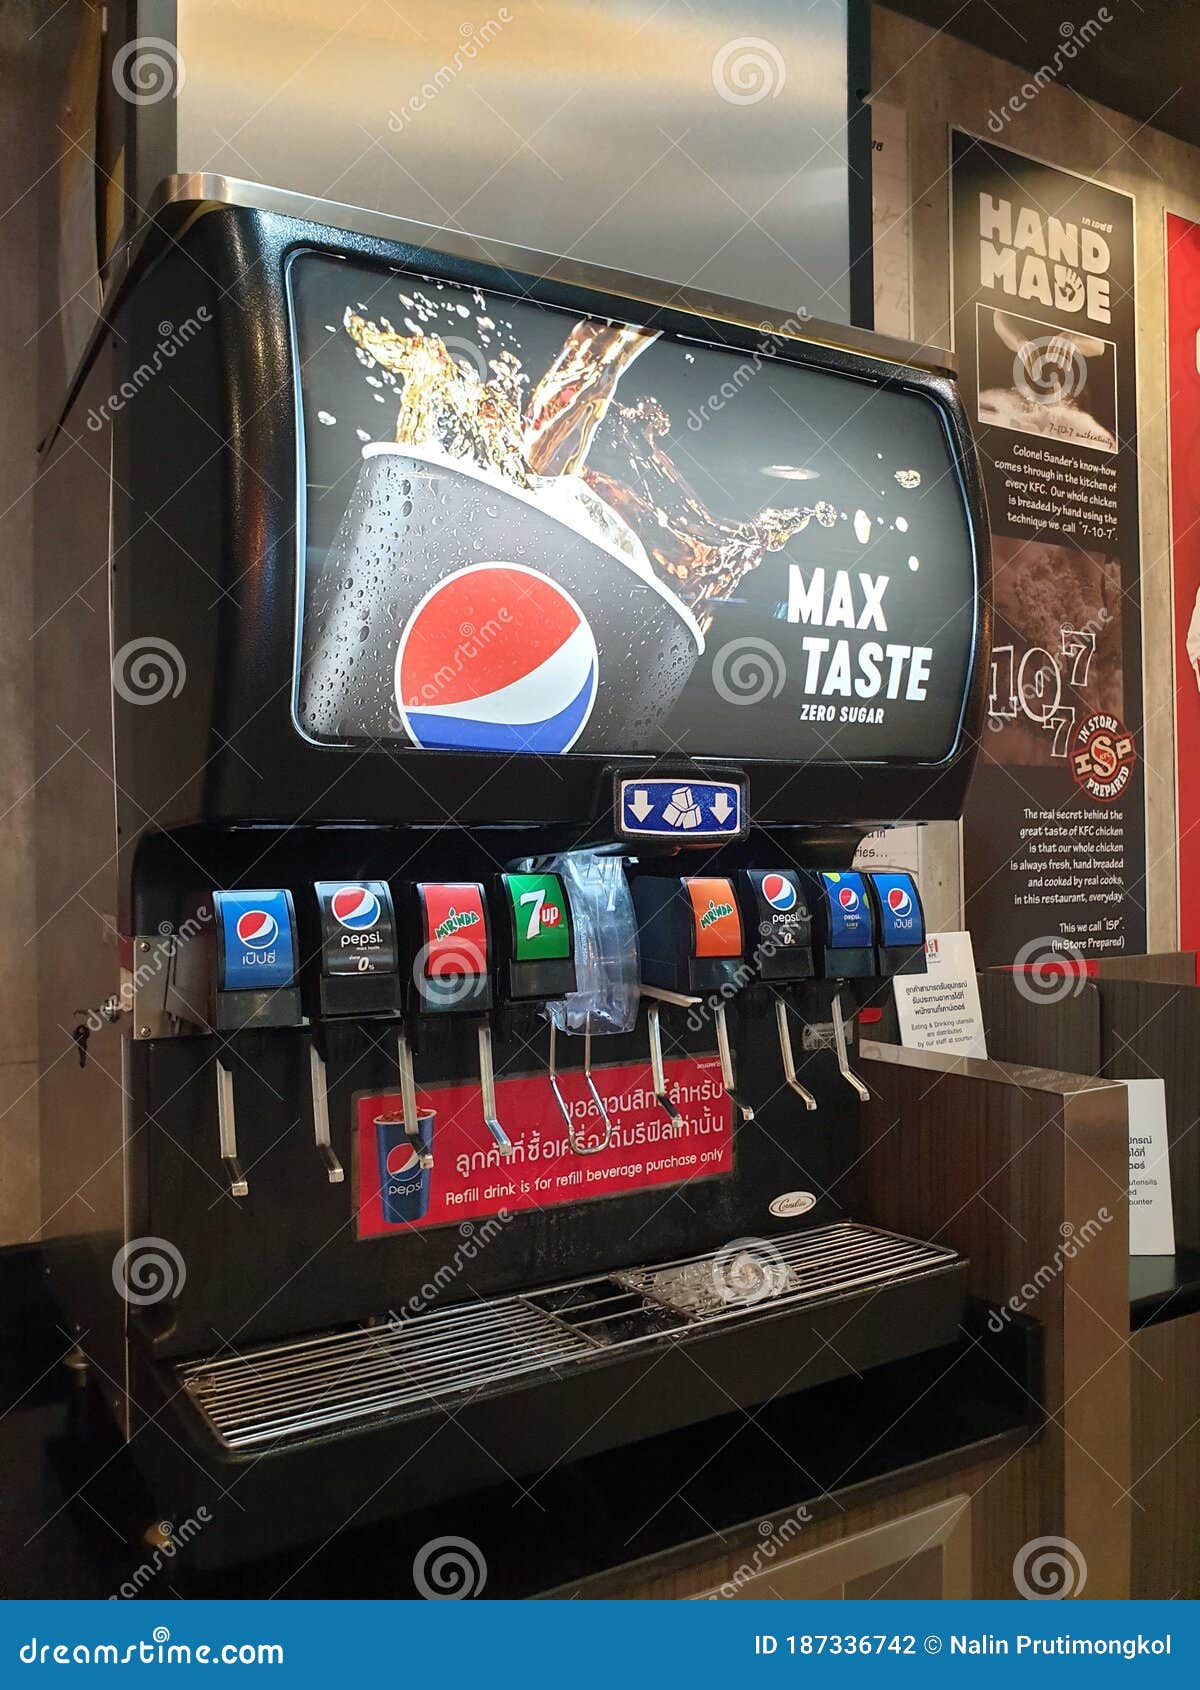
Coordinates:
<point>402,1160</point>
<point>523,679</point>
<point>356,907</point>
<point>848,898</point>
<point>257,929</point>
<point>779,892</point>
<point>899,901</point>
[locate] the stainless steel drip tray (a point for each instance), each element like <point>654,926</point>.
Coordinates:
<point>565,1371</point>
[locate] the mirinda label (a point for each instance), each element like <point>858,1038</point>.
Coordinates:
<point>455,928</point>
<point>714,908</point>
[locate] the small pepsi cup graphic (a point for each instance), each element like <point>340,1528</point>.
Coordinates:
<point>403,1182</point>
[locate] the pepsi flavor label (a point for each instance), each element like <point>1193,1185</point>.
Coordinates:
<point>900,919</point>
<point>850,927</point>
<point>257,940</point>
<point>781,907</point>
<point>358,927</point>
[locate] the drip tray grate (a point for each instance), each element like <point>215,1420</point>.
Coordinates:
<point>304,1388</point>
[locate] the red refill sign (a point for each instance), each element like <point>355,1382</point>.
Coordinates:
<point>468,1178</point>
<point>1183,351</point>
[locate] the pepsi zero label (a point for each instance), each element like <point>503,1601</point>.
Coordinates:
<point>358,927</point>
<point>850,925</point>
<point>780,906</point>
<point>257,940</point>
<point>900,918</point>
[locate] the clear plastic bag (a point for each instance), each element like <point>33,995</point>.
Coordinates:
<point>606,944</point>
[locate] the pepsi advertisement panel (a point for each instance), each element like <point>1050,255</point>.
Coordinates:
<point>526,531</point>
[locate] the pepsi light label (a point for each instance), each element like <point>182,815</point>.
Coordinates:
<point>850,926</point>
<point>258,946</point>
<point>358,928</point>
<point>899,910</point>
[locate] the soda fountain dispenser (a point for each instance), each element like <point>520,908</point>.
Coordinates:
<point>551,700</point>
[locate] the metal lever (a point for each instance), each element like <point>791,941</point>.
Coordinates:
<point>843,1058</point>
<point>609,1128</point>
<point>726,1056</point>
<point>661,1095</point>
<point>487,1085</point>
<point>227,1131</point>
<point>320,1099</point>
<point>580,1146</point>
<point>789,1061</point>
<point>408,1101</point>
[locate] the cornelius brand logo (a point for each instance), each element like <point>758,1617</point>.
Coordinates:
<point>715,912</point>
<point>530,688</point>
<point>791,1203</point>
<point>454,922</point>
<point>357,909</point>
<point>1031,255</point>
<point>256,929</point>
<point>779,893</point>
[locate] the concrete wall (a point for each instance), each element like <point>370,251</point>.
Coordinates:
<point>942,82</point>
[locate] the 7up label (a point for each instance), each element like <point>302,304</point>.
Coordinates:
<point>541,930</point>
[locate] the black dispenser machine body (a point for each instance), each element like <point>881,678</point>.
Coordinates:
<point>529,731</point>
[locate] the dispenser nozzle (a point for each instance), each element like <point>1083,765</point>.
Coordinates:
<point>320,1098</point>
<point>726,1056</point>
<point>227,1131</point>
<point>843,1056</point>
<point>789,1061</point>
<point>487,1085</point>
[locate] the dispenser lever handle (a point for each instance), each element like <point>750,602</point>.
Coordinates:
<point>227,1131</point>
<point>661,1095</point>
<point>789,1061</point>
<point>487,1085</point>
<point>843,1055</point>
<point>726,1056</point>
<point>320,1100</point>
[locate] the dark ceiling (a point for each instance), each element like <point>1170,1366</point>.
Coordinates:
<point>1145,62</point>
